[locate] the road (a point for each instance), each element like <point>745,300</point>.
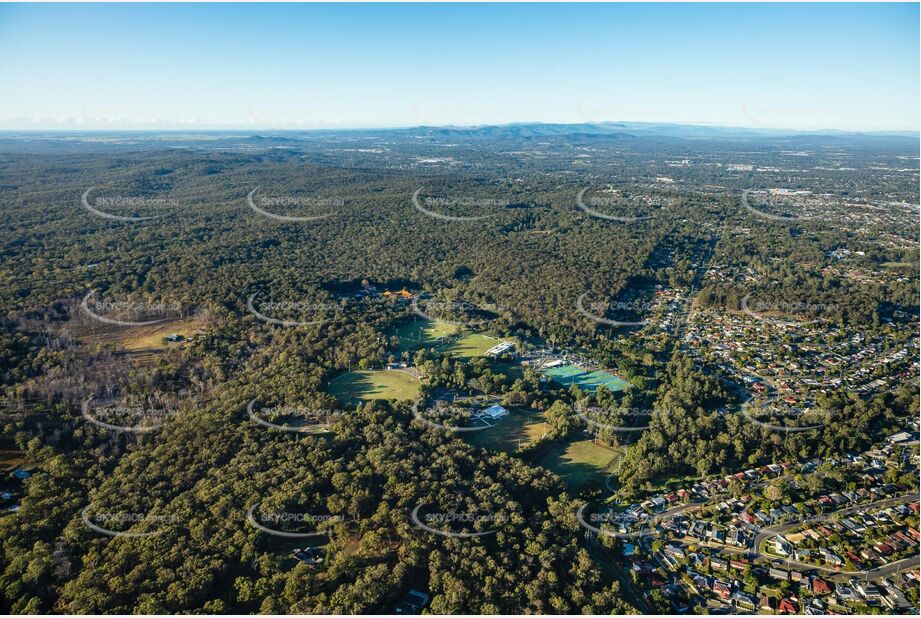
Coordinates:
<point>682,324</point>
<point>600,554</point>
<point>883,571</point>
<point>766,533</point>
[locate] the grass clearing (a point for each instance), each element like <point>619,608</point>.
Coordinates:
<point>153,338</point>
<point>519,427</point>
<point>358,386</point>
<point>580,463</point>
<point>443,336</point>
<point>420,333</point>
<point>470,345</point>
<point>141,344</point>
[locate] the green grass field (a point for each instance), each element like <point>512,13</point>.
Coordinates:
<point>469,345</point>
<point>520,425</point>
<point>580,463</point>
<point>420,333</point>
<point>357,386</point>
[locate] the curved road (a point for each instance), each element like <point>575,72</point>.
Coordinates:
<point>882,571</point>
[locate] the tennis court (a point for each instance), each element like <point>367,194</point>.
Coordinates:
<point>567,375</point>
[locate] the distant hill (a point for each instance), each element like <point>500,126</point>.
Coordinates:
<point>645,133</point>
<point>628,130</point>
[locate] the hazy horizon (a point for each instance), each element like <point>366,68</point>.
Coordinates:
<point>626,123</point>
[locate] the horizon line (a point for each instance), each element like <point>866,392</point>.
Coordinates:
<point>214,129</point>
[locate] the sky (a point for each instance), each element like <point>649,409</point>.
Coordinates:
<point>309,66</point>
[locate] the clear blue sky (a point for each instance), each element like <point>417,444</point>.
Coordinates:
<point>841,66</point>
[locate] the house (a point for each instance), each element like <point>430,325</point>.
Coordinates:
<point>743,601</point>
<point>820,586</point>
<point>894,599</point>
<point>867,590</point>
<point>674,551</point>
<point>736,538</point>
<point>718,564</point>
<point>869,555</point>
<point>700,581</point>
<point>815,608</point>
<point>852,525</point>
<point>787,606</point>
<point>884,549</point>
<point>412,603</point>
<point>846,594</point>
<point>698,530</point>
<point>830,558</point>
<point>403,295</point>
<point>780,547</point>
<point>905,539</point>
<point>311,556</point>
<point>778,574</point>
<point>721,589</point>
<point>766,604</point>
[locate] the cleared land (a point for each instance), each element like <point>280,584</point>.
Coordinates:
<point>519,427</point>
<point>470,345</point>
<point>421,333</point>
<point>153,338</point>
<point>141,344</point>
<point>579,463</point>
<point>357,386</point>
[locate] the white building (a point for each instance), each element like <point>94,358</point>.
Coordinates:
<point>494,412</point>
<point>500,348</point>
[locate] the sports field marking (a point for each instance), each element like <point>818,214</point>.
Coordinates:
<point>567,375</point>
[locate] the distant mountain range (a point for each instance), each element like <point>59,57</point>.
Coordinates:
<point>636,133</point>
<point>637,129</point>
